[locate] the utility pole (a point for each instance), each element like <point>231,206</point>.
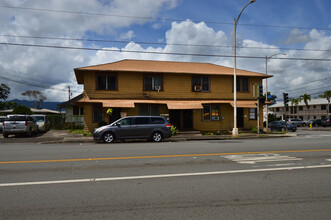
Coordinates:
<point>69,92</point>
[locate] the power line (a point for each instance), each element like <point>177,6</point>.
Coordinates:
<point>33,85</point>
<point>305,87</point>
<point>160,43</point>
<point>160,53</point>
<point>156,18</point>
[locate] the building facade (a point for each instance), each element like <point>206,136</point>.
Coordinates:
<point>196,96</point>
<point>317,109</point>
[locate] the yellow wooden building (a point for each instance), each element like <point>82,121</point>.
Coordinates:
<point>193,96</point>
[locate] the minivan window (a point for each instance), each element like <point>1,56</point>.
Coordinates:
<point>126,121</point>
<point>141,121</point>
<point>16,118</point>
<point>157,121</point>
<point>39,118</point>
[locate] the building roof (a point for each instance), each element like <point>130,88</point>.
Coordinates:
<point>312,102</point>
<point>71,102</point>
<point>148,66</point>
<point>35,111</point>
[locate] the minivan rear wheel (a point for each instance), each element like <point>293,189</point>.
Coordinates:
<point>108,137</point>
<point>157,136</point>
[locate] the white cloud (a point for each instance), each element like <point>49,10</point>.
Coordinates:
<point>127,36</point>
<point>288,74</point>
<point>54,67</point>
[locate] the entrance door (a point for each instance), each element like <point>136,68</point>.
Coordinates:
<point>240,117</point>
<point>182,119</point>
<point>187,119</point>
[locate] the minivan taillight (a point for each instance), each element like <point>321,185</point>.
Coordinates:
<point>168,126</point>
<point>26,123</point>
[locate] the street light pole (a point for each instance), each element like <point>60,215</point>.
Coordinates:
<point>266,86</point>
<point>235,132</point>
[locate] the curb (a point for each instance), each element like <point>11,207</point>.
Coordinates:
<point>178,139</point>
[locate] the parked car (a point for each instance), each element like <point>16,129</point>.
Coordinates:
<point>315,122</point>
<point>154,128</point>
<point>42,122</point>
<point>295,121</point>
<point>281,126</point>
<point>19,124</point>
<point>326,122</point>
<point>2,119</point>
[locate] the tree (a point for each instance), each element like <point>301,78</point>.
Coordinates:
<point>7,105</point>
<point>306,97</point>
<point>38,97</point>
<point>22,109</point>
<point>4,91</point>
<point>327,95</point>
<point>42,98</point>
<point>295,101</point>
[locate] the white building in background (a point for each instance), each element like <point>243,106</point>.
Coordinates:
<point>318,109</point>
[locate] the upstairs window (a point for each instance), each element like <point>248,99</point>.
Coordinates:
<point>200,84</point>
<point>153,83</point>
<point>242,84</point>
<point>106,82</point>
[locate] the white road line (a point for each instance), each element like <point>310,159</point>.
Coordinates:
<point>162,176</point>
<point>260,158</point>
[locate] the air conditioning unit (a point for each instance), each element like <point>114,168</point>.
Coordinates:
<point>158,88</point>
<point>197,88</point>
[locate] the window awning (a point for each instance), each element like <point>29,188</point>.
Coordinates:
<point>171,104</point>
<point>245,104</point>
<point>118,104</point>
<point>184,105</point>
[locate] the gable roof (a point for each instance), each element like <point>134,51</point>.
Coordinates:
<point>72,101</point>
<point>148,66</point>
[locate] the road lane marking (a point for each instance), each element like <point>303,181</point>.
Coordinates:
<point>260,158</point>
<point>162,176</point>
<point>160,156</point>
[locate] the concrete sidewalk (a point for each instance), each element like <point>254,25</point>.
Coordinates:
<point>64,136</point>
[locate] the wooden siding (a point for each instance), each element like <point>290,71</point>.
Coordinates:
<point>176,86</point>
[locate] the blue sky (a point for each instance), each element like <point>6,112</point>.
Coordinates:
<point>301,25</point>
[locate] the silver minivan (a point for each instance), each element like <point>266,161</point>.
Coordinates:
<point>19,124</point>
<point>154,128</point>
<point>42,122</point>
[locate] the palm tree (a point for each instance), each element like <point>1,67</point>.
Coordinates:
<point>295,101</point>
<point>306,97</point>
<point>327,95</point>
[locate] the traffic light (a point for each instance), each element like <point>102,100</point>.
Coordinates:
<point>260,91</point>
<point>285,96</point>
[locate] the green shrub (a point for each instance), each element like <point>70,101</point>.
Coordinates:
<point>254,129</point>
<point>174,130</point>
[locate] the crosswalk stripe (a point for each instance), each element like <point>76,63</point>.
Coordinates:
<point>260,158</point>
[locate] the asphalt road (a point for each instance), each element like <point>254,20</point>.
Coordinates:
<point>283,178</point>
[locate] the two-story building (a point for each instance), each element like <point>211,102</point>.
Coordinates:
<point>317,109</point>
<point>195,96</point>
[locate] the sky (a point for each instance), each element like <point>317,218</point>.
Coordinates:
<point>41,42</point>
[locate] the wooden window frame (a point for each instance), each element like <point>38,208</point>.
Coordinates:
<point>240,81</point>
<point>199,76</point>
<point>255,114</point>
<point>153,75</point>
<point>211,112</point>
<point>106,74</point>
